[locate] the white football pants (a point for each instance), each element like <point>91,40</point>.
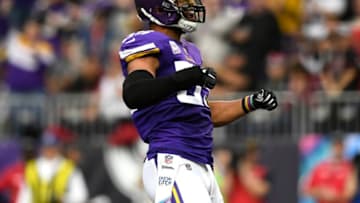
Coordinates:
<point>173,179</point>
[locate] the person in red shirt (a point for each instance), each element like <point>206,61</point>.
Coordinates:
<point>333,180</point>
<point>249,180</point>
<point>12,179</point>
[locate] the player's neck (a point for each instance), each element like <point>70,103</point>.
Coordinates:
<point>172,33</point>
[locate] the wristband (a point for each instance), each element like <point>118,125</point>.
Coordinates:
<point>247,104</point>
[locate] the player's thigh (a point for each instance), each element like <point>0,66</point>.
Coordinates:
<point>150,177</point>
<point>215,194</point>
<point>191,185</point>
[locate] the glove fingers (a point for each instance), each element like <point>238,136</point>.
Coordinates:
<point>271,101</point>
<point>264,99</point>
<point>267,98</point>
<point>273,106</point>
<point>209,77</point>
<point>212,76</point>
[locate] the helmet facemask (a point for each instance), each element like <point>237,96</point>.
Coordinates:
<point>191,10</point>
<point>182,14</point>
<point>191,13</point>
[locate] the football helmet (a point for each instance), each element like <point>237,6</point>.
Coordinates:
<point>183,14</point>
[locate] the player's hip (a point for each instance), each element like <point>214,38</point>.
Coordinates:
<point>191,152</point>
<point>172,176</point>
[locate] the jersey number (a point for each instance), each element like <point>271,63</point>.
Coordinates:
<point>186,96</point>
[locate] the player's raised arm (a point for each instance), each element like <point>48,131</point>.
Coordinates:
<point>224,112</point>
<point>142,88</point>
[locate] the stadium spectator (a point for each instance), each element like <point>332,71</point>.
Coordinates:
<point>309,46</point>
<point>232,75</point>
<point>73,153</point>
<point>276,70</point>
<point>88,78</point>
<point>100,183</point>
<point>28,57</point>
<point>64,19</point>
<point>300,82</point>
<point>51,177</point>
<point>111,104</point>
<point>333,61</point>
<point>77,19</point>
<point>340,72</point>
<point>249,182</point>
<point>289,14</point>
<point>332,180</point>
<point>256,34</point>
<point>117,175</point>
<point>98,34</point>
<point>66,67</point>
<point>335,67</point>
<point>210,37</point>
<point>12,178</point>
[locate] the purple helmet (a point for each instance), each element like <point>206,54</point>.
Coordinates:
<point>183,14</point>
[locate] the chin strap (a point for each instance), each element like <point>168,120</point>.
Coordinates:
<point>185,25</point>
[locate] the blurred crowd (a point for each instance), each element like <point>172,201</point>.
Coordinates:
<point>53,166</point>
<point>52,47</point>
<point>330,169</point>
<point>68,46</point>
<point>62,46</point>
<point>57,47</point>
<point>296,45</point>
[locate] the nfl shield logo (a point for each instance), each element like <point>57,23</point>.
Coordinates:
<point>168,159</point>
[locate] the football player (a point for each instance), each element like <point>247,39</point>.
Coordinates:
<point>166,87</point>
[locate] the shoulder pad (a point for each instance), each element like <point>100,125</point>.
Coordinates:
<point>142,43</point>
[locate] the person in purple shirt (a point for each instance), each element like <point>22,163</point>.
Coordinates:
<point>28,57</point>
<point>166,87</point>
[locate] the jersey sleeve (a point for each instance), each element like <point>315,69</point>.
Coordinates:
<point>140,44</point>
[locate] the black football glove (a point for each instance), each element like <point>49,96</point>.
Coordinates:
<point>209,77</point>
<point>264,99</point>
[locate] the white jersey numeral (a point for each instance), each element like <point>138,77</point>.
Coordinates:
<point>184,96</point>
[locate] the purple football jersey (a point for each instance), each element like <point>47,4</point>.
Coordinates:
<point>181,123</point>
